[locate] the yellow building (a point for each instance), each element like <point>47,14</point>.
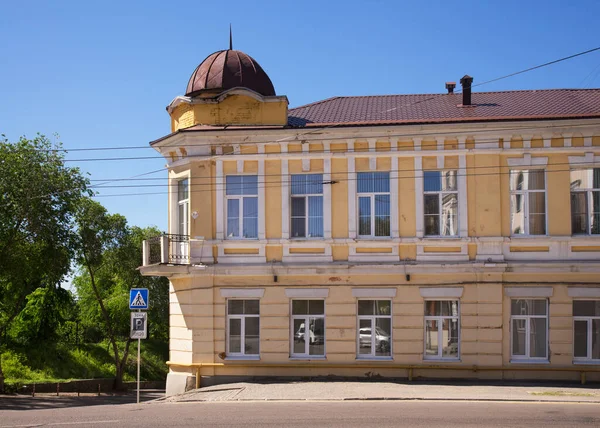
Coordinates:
<point>402,236</point>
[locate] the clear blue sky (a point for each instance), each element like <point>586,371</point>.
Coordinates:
<point>101,73</point>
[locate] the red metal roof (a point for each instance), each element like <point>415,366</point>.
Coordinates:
<point>447,108</point>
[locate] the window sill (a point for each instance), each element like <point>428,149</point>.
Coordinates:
<point>302,239</point>
<point>240,239</point>
<point>540,361</point>
<point>243,358</point>
<point>442,360</point>
<point>529,236</point>
<point>586,362</point>
<point>308,358</point>
<point>370,358</point>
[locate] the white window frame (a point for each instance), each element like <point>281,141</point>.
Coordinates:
<point>589,202</point>
<point>372,319</point>
<point>305,196</point>
<point>527,358</point>
<point>306,318</point>
<point>183,209</point>
<point>525,199</point>
<point>588,319</point>
<point>241,317</point>
<point>440,329</point>
<point>183,204</point>
<point>241,199</point>
<point>372,196</point>
<point>441,194</point>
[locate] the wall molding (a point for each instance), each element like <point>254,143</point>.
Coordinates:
<point>308,293</point>
<point>528,291</point>
<point>584,292</point>
<point>374,292</point>
<point>441,292</point>
<point>528,161</point>
<point>238,293</point>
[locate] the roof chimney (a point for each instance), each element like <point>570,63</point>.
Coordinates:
<point>450,87</point>
<point>466,89</point>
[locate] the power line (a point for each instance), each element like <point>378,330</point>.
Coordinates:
<point>539,66</point>
<point>333,182</point>
<point>213,177</point>
<point>388,110</point>
<point>320,139</point>
<point>214,156</point>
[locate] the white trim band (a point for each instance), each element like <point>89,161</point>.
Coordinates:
<point>374,292</point>
<point>527,161</point>
<point>308,293</point>
<point>528,291</point>
<point>443,292</point>
<point>242,292</point>
<point>584,291</point>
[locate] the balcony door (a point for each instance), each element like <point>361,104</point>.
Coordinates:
<point>180,244</point>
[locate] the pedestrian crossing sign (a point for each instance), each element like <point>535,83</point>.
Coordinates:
<point>138,298</point>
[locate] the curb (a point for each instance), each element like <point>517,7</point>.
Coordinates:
<point>498,400</point>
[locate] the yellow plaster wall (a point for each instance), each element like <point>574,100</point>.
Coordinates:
<point>273,199</point>
<point>558,191</point>
<point>406,198</point>
<point>488,218</point>
<point>201,199</point>
<point>233,110</point>
<point>339,201</point>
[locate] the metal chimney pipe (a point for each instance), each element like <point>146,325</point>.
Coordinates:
<point>466,82</point>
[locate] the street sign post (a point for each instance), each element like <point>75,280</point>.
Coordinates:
<point>139,299</point>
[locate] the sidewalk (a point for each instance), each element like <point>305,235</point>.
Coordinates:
<point>336,391</point>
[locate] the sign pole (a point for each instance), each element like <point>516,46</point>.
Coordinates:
<point>138,369</point>
<point>138,299</point>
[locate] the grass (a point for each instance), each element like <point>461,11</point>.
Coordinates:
<point>64,362</point>
<point>563,393</point>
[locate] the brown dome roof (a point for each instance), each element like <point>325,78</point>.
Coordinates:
<point>229,69</point>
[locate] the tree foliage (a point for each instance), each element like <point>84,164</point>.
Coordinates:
<point>38,198</point>
<point>109,254</point>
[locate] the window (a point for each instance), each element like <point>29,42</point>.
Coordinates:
<point>440,203</point>
<point>243,326</point>
<point>442,329</point>
<point>585,201</point>
<point>180,246</point>
<point>586,330</point>
<point>528,202</point>
<point>373,190</point>
<point>308,328</point>
<point>183,206</point>
<point>374,328</point>
<point>242,206</point>
<point>307,206</point>
<point>529,325</point>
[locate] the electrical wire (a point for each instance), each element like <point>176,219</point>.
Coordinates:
<point>333,182</point>
<point>383,111</point>
<point>212,177</point>
<point>231,154</point>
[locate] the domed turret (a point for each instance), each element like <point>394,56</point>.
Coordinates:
<point>229,69</point>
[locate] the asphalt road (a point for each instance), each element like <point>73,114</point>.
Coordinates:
<point>346,414</point>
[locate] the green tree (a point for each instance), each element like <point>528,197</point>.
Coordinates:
<point>109,254</point>
<point>38,197</point>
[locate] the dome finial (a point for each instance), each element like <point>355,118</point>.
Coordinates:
<point>230,39</point>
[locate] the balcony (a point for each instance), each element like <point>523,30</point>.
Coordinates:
<point>170,253</point>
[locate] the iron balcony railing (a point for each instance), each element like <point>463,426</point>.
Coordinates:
<point>168,248</point>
